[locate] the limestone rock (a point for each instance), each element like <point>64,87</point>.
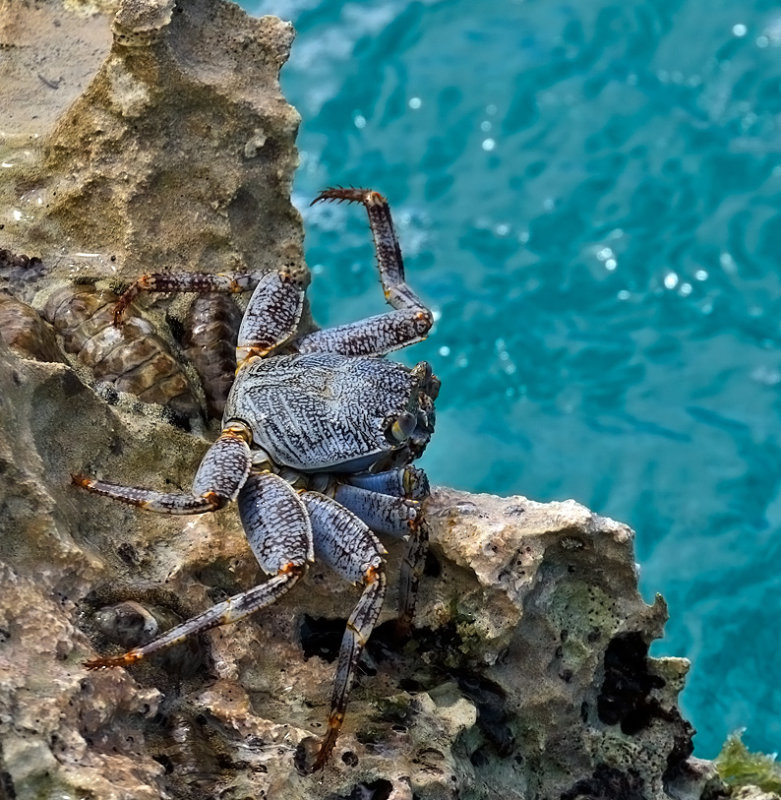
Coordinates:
<point>177,153</point>
<point>753,793</point>
<point>163,145</point>
<point>528,675</point>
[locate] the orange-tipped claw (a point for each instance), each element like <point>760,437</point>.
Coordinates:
<point>349,194</point>
<point>82,480</point>
<point>114,661</point>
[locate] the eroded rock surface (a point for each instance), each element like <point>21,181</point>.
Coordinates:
<point>527,676</point>
<point>172,148</point>
<point>165,145</point>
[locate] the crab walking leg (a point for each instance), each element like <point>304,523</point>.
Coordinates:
<point>394,516</point>
<point>410,573</point>
<point>278,530</point>
<point>272,315</point>
<point>220,476</point>
<point>383,513</point>
<point>230,610</point>
<point>276,522</point>
<point>199,282</point>
<point>408,481</point>
<point>386,243</point>
<point>373,336</point>
<point>355,553</point>
<point>411,320</point>
<point>211,327</point>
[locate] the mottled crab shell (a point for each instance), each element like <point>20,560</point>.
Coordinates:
<point>324,411</point>
<point>132,358</point>
<point>22,329</point>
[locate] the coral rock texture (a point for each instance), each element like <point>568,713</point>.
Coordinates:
<point>527,676</point>
<point>177,154</point>
<point>163,142</point>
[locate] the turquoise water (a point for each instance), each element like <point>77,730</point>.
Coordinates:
<point>589,196</point>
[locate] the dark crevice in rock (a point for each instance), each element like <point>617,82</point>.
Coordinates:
<point>321,637</point>
<point>166,762</point>
<point>376,790</point>
<point>608,783</point>
<point>683,747</point>
<point>493,717</point>
<point>432,567</point>
<point>7,789</point>
<point>178,418</point>
<point>446,641</point>
<point>624,697</point>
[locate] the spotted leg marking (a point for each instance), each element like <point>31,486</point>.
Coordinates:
<point>354,552</point>
<point>220,476</point>
<point>278,529</point>
<point>272,315</point>
<point>395,516</point>
<point>410,322</point>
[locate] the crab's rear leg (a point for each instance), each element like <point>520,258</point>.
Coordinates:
<point>399,514</point>
<point>198,282</point>
<point>410,321</point>
<point>351,549</point>
<point>272,315</point>
<point>278,530</point>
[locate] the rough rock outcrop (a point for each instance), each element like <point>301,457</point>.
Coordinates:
<point>162,144</point>
<point>528,674</point>
<point>171,146</point>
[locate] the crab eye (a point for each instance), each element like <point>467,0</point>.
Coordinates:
<point>403,426</point>
<point>422,372</point>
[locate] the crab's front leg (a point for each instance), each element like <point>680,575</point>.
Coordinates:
<point>351,549</point>
<point>410,321</point>
<point>278,530</point>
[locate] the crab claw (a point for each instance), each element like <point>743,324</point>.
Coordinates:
<point>350,194</point>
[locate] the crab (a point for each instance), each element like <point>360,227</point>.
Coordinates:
<point>319,433</point>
